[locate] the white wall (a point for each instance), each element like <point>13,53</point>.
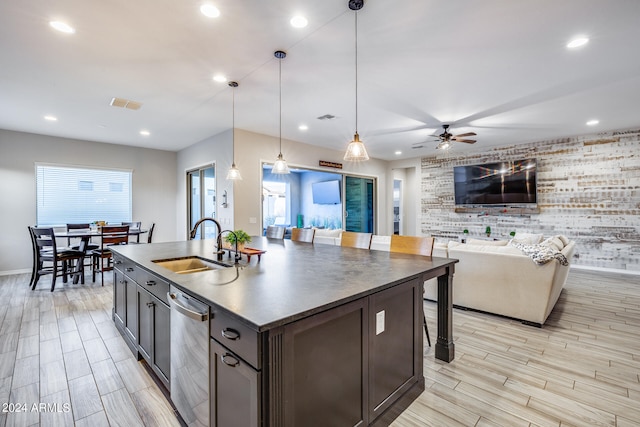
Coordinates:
<point>154,186</point>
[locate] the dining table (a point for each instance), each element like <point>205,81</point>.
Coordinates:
<point>86,235</point>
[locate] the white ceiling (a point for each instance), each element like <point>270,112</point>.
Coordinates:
<point>499,68</point>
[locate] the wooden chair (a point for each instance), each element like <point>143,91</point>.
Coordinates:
<point>46,251</point>
<point>414,246</point>
<point>275,232</point>
<point>110,235</point>
<point>303,234</point>
<point>150,233</point>
<point>351,239</point>
<point>134,226</point>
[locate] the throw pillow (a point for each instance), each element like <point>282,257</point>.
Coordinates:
<point>554,243</point>
<point>527,238</point>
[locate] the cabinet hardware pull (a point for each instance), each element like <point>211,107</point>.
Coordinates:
<point>229,360</point>
<point>230,334</point>
<point>128,269</point>
<point>150,282</point>
<point>150,304</point>
<point>118,262</point>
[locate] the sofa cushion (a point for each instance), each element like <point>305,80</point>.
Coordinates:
<point>487,242</point>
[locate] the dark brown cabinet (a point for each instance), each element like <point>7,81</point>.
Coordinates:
<point>142,315</point>
<point>155,334</point>
<point>235,397</point>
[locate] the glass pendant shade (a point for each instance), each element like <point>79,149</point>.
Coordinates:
<point>356,151</point>
<point>280,166</point>
<point>233,173</point>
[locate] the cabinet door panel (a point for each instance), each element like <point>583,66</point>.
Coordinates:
<point>394,322</point>
<point>145,310</point>
<point>119,296</point>
<point>235,390</point>
<point>162,339</point>
<point>132,310</point>
<point>324,360</point>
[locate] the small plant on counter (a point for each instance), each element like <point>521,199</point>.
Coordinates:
<point>465,231</point>
<point>488,231</point>
<point>512,234</point>
<point>241,235</point>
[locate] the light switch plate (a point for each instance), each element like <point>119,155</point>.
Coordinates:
<point>379,322</point>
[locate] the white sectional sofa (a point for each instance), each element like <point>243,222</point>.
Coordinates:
<point>498,278</point>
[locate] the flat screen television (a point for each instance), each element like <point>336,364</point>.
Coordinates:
<point>500,183</point>
<point>326,192</point>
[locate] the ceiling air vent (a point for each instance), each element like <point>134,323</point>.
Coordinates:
<point>327,117</point>
<point>125,103</point>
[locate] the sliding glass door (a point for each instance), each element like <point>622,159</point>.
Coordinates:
<point>358,202</point>
<point>202,200</point>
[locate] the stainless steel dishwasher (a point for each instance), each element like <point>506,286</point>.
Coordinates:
<point>189,357</point>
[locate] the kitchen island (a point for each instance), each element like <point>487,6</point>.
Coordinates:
<point>310,335</point>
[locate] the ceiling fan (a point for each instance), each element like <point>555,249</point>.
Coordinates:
<point>446,139</point>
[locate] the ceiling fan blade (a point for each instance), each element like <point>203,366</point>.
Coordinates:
<point>418,146</point>
<point>466,141</point>
<point>466,134</point>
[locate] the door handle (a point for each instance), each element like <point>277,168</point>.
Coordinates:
<point>173,303</point>
<point>229,360</point>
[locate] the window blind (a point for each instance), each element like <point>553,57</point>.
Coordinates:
<point>67,194</point>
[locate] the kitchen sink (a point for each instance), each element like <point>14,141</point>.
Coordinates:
<point>192,264</point>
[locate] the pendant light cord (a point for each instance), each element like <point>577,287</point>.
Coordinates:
<point>356,39</point>
<point>233,125</point>
<point>280,80</point>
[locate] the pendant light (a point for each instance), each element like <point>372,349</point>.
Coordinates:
<point>356,150</point>
<point>234,173</point>
<point>280,166</point>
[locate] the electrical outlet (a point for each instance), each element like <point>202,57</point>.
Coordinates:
<point>379,322</point>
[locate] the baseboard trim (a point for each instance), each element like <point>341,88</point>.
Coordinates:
<point>605,270</point>
<point>11,272</point>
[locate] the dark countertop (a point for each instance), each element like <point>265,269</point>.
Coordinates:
<point>292,280</point>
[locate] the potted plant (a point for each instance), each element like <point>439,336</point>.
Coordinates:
<point>512,234</point>
<point>488,231</point>
<point>240,235</point>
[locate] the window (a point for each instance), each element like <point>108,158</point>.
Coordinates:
<point>67,194</point>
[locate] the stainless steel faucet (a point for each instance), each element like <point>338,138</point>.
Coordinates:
<point>219,251</point>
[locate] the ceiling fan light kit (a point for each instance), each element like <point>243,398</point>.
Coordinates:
<point>446,139</point>
<point>356,151</point>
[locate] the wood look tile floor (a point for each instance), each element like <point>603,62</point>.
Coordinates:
<point>61,352</point>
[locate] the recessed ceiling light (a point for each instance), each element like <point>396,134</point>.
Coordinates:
<point>577,42</point>
<point>219,78</point>
<point>63,27</point>
<point>145,133</point>
<point>298,21</point>
<point>398,153</point>
<point>209,10</point>
<point>593,122</point>
<point>303,127</point>
<point>51,118</point>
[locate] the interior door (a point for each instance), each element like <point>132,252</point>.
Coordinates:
<point>358,202</point>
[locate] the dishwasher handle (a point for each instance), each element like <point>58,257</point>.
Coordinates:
<point>175,304</point>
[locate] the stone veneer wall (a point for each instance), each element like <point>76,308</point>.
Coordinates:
<point>588,190</point>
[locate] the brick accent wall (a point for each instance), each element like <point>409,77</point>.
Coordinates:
<point>588,190</point>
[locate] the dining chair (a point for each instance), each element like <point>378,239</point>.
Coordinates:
<point>352,239</point>
<point>110,235</point>
<point>415,246</point>
<point>134,226</point>
<point>275,232</point>
<point>303,234</point>
<point>150,233</point>
<point>49,259</point>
